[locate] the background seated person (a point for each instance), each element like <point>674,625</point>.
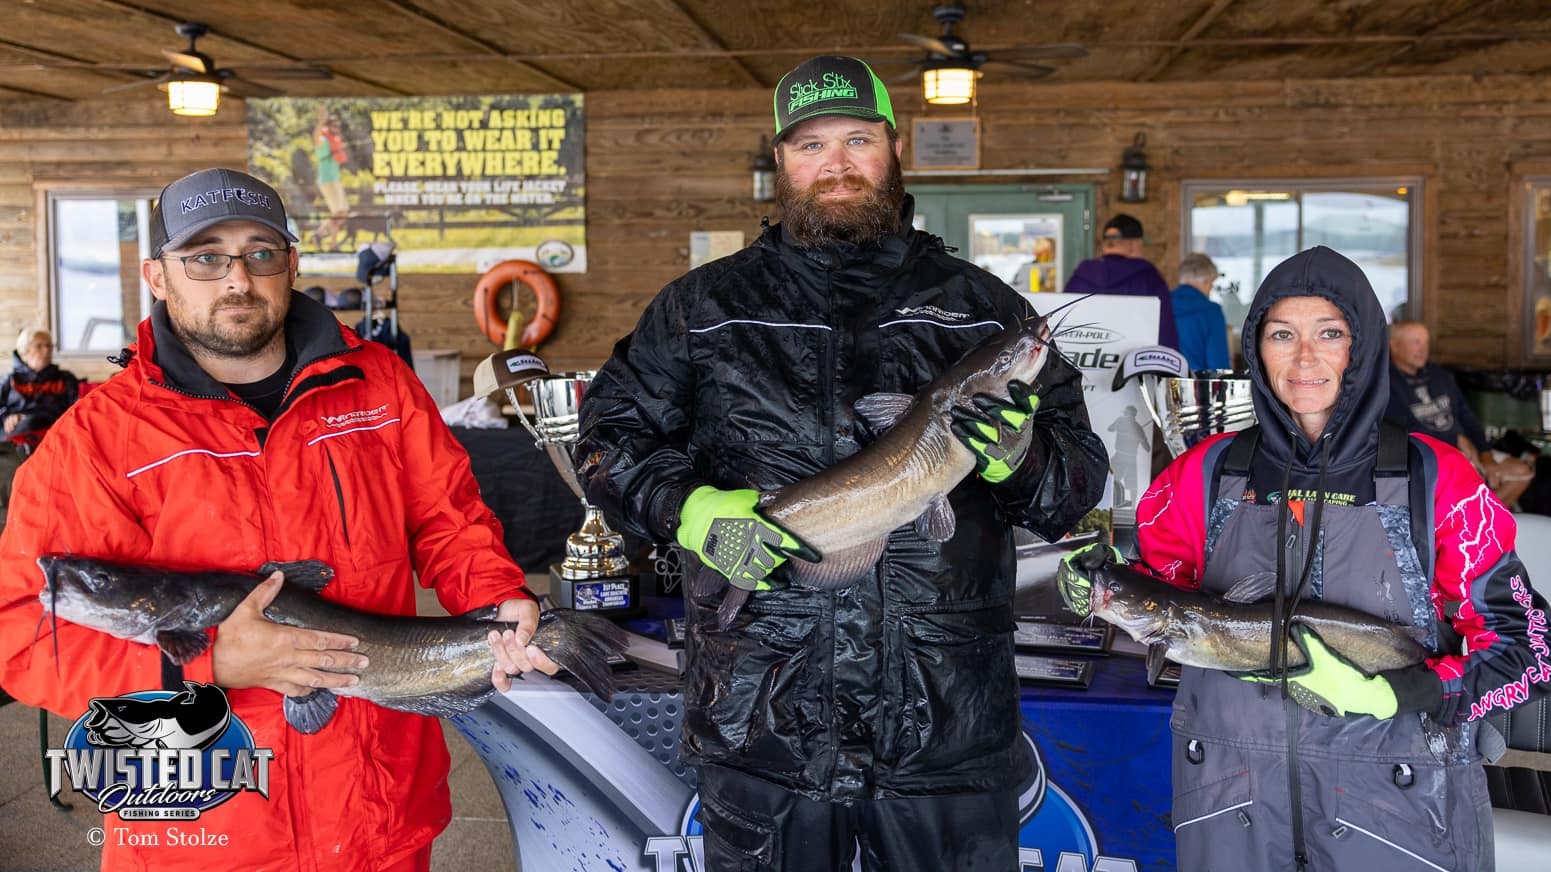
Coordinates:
<point>37,392</point>
<point>1423,398</point>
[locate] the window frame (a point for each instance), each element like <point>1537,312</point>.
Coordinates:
<point>47,194</point>
<point>1419,237</point>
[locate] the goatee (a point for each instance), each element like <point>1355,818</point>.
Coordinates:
<point>812,223</point>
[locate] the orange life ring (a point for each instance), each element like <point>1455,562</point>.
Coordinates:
<point>487,295</point>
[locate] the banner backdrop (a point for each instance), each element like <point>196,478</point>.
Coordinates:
<point>459,183</point>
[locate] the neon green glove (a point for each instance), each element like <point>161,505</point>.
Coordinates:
<point>1330,684</point>
<point>1000,433</point>
<point>725,529</point>
<point>1074,575</point>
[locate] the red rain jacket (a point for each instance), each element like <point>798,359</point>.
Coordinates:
<point>356,470</point>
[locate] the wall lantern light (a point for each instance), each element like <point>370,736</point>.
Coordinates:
<point>1133,171</point>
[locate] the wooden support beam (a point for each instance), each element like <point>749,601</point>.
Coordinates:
<point>1201,23</point>
<point>713,42</point>
<point>489,48</point>
<point>1474,11</point>
<point>176,20</point>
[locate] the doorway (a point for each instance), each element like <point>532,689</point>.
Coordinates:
<point>1029,236</point>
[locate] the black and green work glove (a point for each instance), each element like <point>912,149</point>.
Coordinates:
<point>725,529</point>
<point>1000,433</point>
<point>1330,685</point>
<point>1074,577</point>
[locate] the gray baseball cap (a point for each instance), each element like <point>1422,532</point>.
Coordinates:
<point>209,197</point>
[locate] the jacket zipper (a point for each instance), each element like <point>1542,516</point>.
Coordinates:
<point>1294,718</point>
<point>827,429</point>
<point>339,494</point>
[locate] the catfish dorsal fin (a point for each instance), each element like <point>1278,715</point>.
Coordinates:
<point>313,575</point>
<point>1252,588</point>
<point>882,410</point>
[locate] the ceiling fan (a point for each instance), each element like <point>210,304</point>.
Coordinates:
<point>950,67</point>
<point>193,67</point>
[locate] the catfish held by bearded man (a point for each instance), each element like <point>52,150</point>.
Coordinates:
<point>1231,633</point>
<point>846,512</point>
<point>429,666</point>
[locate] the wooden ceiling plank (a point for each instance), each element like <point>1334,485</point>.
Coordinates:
<point>28,92</point>
<point>175,20</point>
<point>424,17</point>
<point>58,57</point>
<point>1475,10</point>
<point>714,42</point>
<point>1201,23</point>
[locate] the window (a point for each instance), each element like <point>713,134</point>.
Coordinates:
<point>1536,267</point>
<point>1248,227</point>
<point>96,240</point>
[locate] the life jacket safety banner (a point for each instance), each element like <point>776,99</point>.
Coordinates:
<point>458,183</point>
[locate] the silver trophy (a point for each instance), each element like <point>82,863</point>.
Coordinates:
<point>1186,408</point>
<point>595,572</point>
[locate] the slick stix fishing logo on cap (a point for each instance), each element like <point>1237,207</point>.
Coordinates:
<point>160,754</point>
<point>830,85</point>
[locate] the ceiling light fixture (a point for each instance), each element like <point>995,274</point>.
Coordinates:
<point>194,96</point>
<point>949,84</point>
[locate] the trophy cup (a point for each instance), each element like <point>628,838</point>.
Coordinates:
<point>1187,409</point>
<point>594,575</point>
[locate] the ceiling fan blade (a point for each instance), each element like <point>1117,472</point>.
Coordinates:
<point>1040,52</point>
<point>188,60</point>
<point>902,78</point>
<point>243,88</point>
<point>162,79</point>
<point>1015,68</point>
<point>310,72</point>
<point>930,43</point>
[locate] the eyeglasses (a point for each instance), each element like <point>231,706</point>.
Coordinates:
<point>208,266</point>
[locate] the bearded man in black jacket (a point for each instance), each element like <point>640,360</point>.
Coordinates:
<point>882,717</point>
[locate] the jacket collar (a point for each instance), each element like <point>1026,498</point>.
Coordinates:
<point>310,326</point>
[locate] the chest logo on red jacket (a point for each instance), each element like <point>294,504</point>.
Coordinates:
<point>357,418</point>
<point>160,754</point>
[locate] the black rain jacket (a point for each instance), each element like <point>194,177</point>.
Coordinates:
<point>743,373</point>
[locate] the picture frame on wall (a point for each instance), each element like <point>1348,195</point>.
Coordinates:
<point>1535,268</point>
<point>945,144</point>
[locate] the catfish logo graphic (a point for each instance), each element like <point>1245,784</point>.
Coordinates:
<point>160,754</point>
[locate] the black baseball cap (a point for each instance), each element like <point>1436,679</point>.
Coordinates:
<point>830,85</point>
<point>1125,227</point>
<point>209,197</point>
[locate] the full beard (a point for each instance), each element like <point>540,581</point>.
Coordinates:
<point>812,223</point>
<point>239,338</point>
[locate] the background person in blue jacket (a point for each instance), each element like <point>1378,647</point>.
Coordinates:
<point>1121,269</point>
<point>1203,331</point>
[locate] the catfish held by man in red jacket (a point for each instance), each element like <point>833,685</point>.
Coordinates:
<point>429,666</point>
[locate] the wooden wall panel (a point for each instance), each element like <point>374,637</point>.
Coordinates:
<point>663,164</point>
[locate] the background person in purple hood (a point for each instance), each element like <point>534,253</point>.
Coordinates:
<point>1121,269</point>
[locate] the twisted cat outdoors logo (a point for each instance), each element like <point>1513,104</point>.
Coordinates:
<point>832,86</point>
<point>160,754</point>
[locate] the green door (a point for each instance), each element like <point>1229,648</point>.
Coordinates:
<point>1030,236</point>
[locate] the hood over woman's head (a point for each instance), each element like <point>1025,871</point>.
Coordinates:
<point>1352,428</point>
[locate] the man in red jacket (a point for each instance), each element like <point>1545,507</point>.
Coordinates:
<point>249,427</point>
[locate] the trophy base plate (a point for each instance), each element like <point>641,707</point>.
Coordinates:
<point>615,596</point>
